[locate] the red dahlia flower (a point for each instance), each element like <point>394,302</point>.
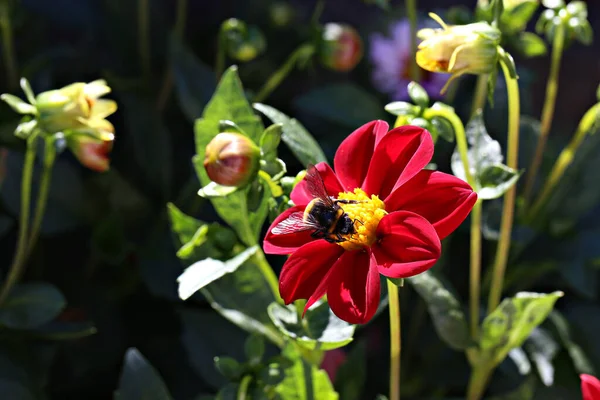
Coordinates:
<point>400,213</point>
<point>590,387</point>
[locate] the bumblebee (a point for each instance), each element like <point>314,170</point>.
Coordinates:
<point>323,215</point>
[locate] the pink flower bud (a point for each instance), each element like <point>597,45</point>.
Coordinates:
<point>341,47</point>
<point>91,153</point>
<point>231,159</point>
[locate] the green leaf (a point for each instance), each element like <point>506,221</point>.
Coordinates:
<point>583,32</point>
<point>190,231</point>
<point>258,209</point>
<point>194,80</point>
<point>531,45</point>
<point>541,349</point>
<point>320,329</point>
<point>445,310</point>
<point>510,324</point>
<point>418,95</point>
<point>270,139</point>
<point>401,108</point>
<point>139,380</point>
<point>204,272</point>
<point>343,103</point>
<point>26,87</point>
<point>443,128</point>
<point>30,305</point>
<point>229,367</point>
<point>495,180</point>
<point>295,136</point>
<point>516,19</point>
<point>254,347</point>
<point>300,376</point>
<point>18,105</point>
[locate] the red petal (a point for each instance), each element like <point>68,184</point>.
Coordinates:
<point>590,387</point>
<point>407,245</point>
<point>399,156</point>
<point>305,270</point>
<point>444,200</point>
<point>300,195</point>
<point>286,244</point>
<point>352,158</point>
<point>353,292</point>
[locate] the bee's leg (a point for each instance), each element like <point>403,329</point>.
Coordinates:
<point>357,220</point>
<point>348,201</point>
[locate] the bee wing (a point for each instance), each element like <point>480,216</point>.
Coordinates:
<point>294,223</point>
<point>316,186</point>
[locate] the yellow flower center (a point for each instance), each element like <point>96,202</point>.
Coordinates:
<point>366,215</point>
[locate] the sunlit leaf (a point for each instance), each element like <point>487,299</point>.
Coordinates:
<point>204,272</point>
<point>320,327</point>
<point>511,323</point>
<point>495,180</point>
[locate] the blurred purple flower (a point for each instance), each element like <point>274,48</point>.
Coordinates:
<point>392,63</point>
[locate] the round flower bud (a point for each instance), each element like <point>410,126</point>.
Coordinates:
<point>231,159</point>
<point>247,47</point>
<point>341,47</point>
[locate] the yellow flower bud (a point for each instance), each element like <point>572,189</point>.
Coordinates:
<point>231,159</point>
<point>77,107</point>
<point>459,49</point>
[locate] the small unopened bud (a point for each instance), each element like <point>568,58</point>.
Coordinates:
<point>341,47</point>
<point>91,152</point>
<point>231,159</point>
<point>248,46</point>
<point>459,49</point>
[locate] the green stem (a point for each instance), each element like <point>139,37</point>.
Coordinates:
<point>503,248</point>
<point>475,270</point>
<point>40,208</point>
<point>304,51</point>
<point>144,36</point>
<point>547,110</point>
<point>564,160</point>
<point>220,61</point>
<point>480,93</point>
<point>475,256</point>
<point>244,385</point>
<point>8,46</point>
<point>395,340</point>
<point>268,274</point>
<point>178,29</point>
<point>411,13</point>
<point>478,382</point>
<point>18,264</point>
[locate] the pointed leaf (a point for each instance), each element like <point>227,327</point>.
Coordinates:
<point>444,309</point>
<point>531,45</point>
<point>418,95</point>
<point>495,180</point>
<point>30,305</point>
<point>295,136</point>
<point>511,323</point>
<point>319,327</point>
<point>139,380</point>
<point>204,272</point>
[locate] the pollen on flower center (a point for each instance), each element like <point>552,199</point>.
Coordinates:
<point>366,215</point>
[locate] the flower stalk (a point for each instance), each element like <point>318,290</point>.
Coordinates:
<point>478,382</point>
<point>480,93</point>
<point>8,51</point>
<point>547,110</point>
<point>564,160</point>
<point>40,208</point>
<point>303,52</point>
<point>503,248</point>
<point>395,340</point>
<point>18,264</point>
<point>411,12</point>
